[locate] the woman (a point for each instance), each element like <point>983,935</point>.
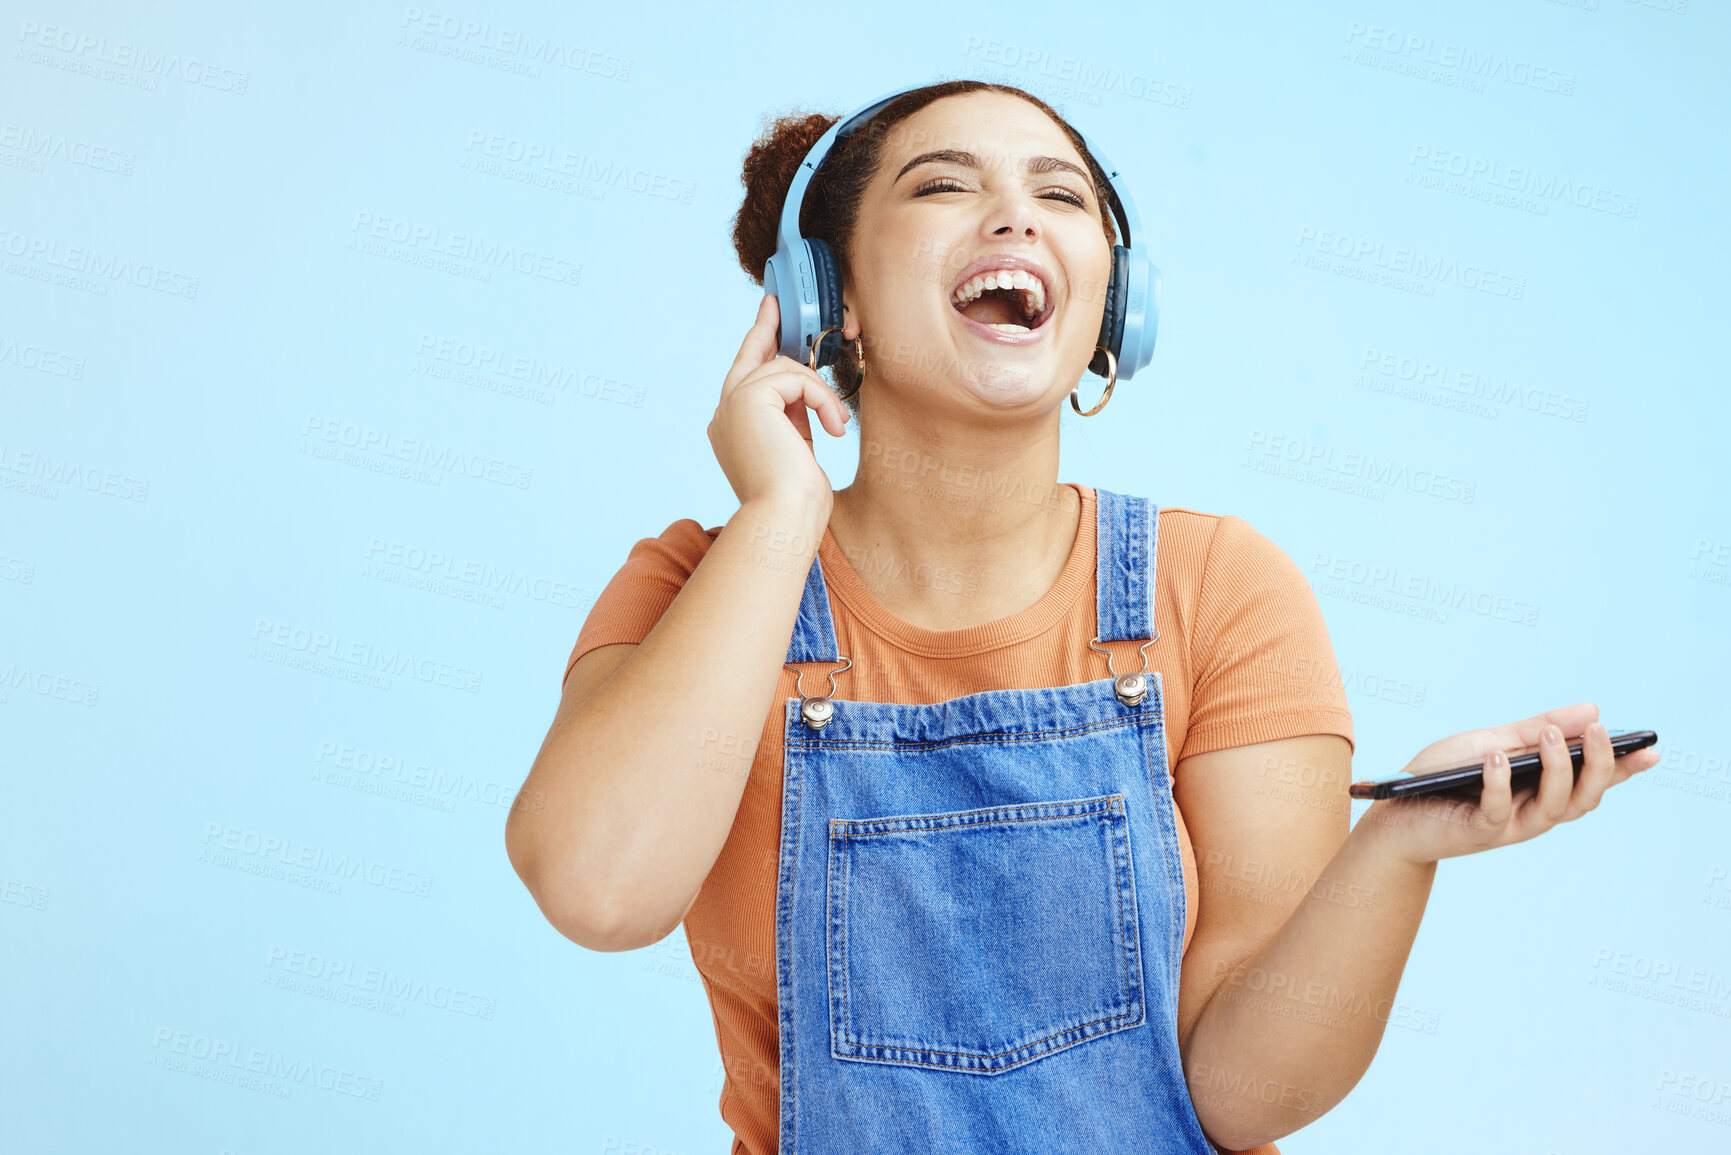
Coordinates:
<point>995,896</point>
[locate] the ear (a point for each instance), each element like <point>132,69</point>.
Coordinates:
<point>850,323</point>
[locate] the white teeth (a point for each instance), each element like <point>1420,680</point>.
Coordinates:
<point>1032,289</point>
<point>1006,327</point>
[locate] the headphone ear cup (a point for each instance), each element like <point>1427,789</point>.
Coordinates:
<point>828,279</point>
<point>1112,320</point>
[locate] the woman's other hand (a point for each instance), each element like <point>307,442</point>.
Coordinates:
<point>1431,827</point>
<point>761,433</point>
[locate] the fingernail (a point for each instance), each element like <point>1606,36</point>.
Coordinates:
<point>1552,735</point>
<point>1498,757</point>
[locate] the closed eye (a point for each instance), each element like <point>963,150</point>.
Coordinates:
<point>946,184</point>
<point>941,184</point>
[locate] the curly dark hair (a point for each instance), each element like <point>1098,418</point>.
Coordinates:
<point>833,198</point>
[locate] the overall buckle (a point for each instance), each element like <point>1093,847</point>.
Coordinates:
<point>816,711</point>
<point>1130,688</point>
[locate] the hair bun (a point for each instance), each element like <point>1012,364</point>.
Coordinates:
<point>768,171</point>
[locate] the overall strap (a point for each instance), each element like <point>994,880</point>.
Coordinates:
<point>1126,535</point>
<point>1127,531</point>
<point>814,630</point>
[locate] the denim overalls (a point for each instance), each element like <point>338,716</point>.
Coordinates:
<point>979,910</point>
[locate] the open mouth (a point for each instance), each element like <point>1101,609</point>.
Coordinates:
<point>1008,300</point>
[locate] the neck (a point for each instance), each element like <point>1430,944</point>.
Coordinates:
<point>952,528</point>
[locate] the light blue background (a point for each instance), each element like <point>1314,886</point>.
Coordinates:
<point>143,723</point>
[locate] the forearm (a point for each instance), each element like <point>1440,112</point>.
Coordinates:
<point>642,781</point>
<point>1288,1033</point>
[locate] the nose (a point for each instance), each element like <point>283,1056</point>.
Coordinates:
<point>1012,217</point>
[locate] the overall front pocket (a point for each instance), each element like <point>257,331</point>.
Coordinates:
<point>979,940</point>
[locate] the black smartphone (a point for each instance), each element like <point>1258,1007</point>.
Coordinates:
<point>1467,781</point>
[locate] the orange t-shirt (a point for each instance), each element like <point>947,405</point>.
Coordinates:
<point>1233,612</point>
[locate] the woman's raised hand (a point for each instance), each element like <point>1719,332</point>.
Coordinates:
<point>1431,827</point>
<point>761,433</point>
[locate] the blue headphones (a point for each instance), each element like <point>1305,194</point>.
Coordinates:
<point>807,286</point>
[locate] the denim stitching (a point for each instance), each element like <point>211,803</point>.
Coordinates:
<point>1118,894</point>
<point>996,1054</point>
<point>1112,805</point>
<point>892,744</point>
<point>787,1074</point>
<point>847,979</point>
<point>1089,807</point>
<point>833,900</point>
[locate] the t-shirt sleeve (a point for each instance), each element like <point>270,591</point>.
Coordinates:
<point>654,572</point>
<point>1264,665</point>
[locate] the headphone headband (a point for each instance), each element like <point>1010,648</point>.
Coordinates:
<point>810,277</point>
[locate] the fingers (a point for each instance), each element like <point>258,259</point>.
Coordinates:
<point>760,342</point>
<point>1494,801</point>
<point>1556,779</point>
<point>1634,762</point>
<point>1598,764</point>
<point>1569,719</point>
<point>799,387</point>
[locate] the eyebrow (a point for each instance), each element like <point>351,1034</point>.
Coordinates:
<point>1037,164</point>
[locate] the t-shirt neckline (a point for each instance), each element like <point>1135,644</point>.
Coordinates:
<point>1075,582</point>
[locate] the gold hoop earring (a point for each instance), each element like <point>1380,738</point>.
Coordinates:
<point>858,350</point>
<point>1111,380</point>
